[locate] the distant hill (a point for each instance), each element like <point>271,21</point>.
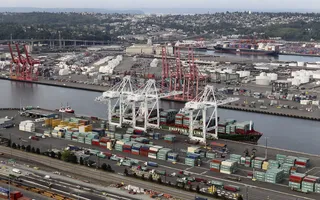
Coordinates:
<point>215,10</point>
<point>92,10</point>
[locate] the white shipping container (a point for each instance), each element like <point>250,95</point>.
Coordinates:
<point>120,142</point>
<point>228,163</point>
<point>192,149</point>
<point>225,172</point>
<point>150,156</point>
<point>305,102</point>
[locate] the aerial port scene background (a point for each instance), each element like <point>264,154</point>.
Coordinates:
<point>175,100</point>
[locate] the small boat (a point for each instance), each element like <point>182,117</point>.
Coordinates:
<point>61,109</point>
<point>68,109</point>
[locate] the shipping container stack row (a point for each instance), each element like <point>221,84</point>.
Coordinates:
<point>27,126</point>
<point>304,183</point>
<point>162,154</point>
<point>168,116</point>
<point>228,167</point>
<point>274,176</point>
<point>259,176</point>
<point>193,159</point>
<point>170,138</point>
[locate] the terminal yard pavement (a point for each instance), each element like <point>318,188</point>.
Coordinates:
<point>255,189</point>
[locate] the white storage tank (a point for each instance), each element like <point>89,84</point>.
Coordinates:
<point>304,79</point>
<point>294,73</point>
<point>263,80</point>
<point>296,82</point>
<point>316,75</point>
<point>300,64</point>
<point>273,76</point>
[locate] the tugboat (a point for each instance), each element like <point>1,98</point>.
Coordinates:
<point>61,109</point>
<point>68,109</point>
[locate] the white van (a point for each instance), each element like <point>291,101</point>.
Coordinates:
<point>16,171</point>
<point>46,177</point>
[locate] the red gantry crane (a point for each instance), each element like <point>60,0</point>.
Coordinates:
<point>32,71</point>
<point>23,68</point>
<point>181,78</point>
<point>15,65</point>
<point>23,64</point>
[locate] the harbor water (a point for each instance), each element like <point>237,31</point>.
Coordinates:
<point>288,133</point>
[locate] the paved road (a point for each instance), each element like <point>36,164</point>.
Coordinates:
<point>255,192</point>
<point>94,174</point>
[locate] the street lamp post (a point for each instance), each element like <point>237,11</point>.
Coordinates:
<point>266,151</point>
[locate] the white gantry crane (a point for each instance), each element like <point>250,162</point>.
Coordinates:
<point>115,98</point>
<point>148,100</point>
<point>207,101</point>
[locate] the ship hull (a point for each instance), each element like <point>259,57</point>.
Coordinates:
<point>245,51</point>
<point>252,137</point>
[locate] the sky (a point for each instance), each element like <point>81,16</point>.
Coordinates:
<point>140,4</point>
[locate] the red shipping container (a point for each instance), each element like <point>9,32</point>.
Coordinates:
<point>143,153</point>
<point>214,170</point>
<point>108,154</point>
<point>296,176</point>
<point>300,163</point>
<point>230,188</point>
<point>310,180</point>
<point>135,153</point>
<point>216,161</point>
<point>95,143</point>
<point>126,151</point>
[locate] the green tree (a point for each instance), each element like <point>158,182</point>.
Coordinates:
<point>52,154</point>
<point>14,146</point>
<point>28,148</point>
<point>33,150</point>
<point>125,172</point>
<point>240,197</point>
<point>104,167</point>
<point>59,155</point>
<point>23,147</point>
<point>81,161</point>
<point>65,156</point>
<point>198,189</point>
<point>38,151</point>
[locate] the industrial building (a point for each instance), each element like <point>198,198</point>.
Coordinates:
<point>6,123</point>
<point>148,49</point>
<point>41,113</point>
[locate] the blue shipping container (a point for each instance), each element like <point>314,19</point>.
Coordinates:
<point>4,190</point>
<point>200,198</point>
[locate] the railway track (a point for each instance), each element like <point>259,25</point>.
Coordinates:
<point>98,175</point>
<point>37,190</point>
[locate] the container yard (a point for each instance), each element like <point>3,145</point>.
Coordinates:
<point>157,152</point>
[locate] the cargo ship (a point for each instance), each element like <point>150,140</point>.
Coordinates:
<point>172,121</point>
<point>249,49</point>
